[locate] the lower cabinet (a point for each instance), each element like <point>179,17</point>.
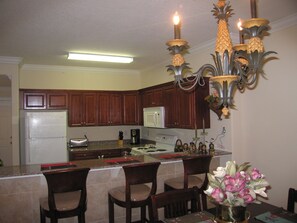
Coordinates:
<point>96,154</point>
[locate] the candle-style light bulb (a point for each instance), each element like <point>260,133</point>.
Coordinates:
<point>176,22</point>
<point>253,8</point>
<point>239,25</point>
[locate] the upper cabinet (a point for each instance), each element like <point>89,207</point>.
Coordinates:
<point>110,110</point>
<point>82,109</point>
<point>183,109</point>
<point>152,97</point>
<point>57,100</point>
<point>44,99</point>
<point>131,104</point>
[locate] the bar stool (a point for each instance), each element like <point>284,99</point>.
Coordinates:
<point>192,166</point>
<point>67,195</point>
<point>136,193</point>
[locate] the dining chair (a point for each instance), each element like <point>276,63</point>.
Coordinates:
<point>292,199</point>
<point>141,183</point>
<point>193,166</point>
<point>67,195</point>
<point>176,202</point>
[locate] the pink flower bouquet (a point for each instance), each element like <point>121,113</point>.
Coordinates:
<point>236,185</point>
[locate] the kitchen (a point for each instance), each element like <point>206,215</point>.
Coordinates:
<point>261,129</point>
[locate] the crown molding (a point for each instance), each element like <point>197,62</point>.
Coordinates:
<point>74,68</point>
<point>11,60</point>
<point>284,23</point>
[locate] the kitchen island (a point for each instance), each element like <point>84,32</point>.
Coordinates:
<point>21,186</point>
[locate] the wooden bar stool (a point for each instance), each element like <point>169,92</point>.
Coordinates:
<point>67,195</point>
<point>192,166</point>
<point>136,193</point>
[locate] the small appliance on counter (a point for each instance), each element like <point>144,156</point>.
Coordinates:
<point>78,142</point>
<point>135,136</point>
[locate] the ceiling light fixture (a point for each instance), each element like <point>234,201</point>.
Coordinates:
<point>99,57</point>
<point>235,66</point>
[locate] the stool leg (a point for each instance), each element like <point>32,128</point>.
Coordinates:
<point>128,214</point>
<point>81,218</point>
<point>42,216</point>
<point>143,214</point>
<point>110,209</point>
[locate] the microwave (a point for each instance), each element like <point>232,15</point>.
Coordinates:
<point>154,117</point>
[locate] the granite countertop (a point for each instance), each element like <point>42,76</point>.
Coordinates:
<point>96,164</point>
<point>110,144</point>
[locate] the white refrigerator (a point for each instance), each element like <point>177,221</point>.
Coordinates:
<point>43,137</point>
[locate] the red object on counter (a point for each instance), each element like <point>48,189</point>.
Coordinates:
<point>121,160</point>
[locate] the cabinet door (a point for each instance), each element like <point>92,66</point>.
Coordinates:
<point>90,109</point>
<point>103,109</point>
<point>35,100</point>
<point>82,155</point>
<point>186,109</point>
<point>57,100</point>
<point>171,104</point>
<point>116,109</point>
<point>75,111</point>
<point>152,98</point>
<point>131,108</point>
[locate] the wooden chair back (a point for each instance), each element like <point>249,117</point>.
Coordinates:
<point>175,202</point>
<point>196,165</point>
<point>63,181</point>
<point>141,174</point>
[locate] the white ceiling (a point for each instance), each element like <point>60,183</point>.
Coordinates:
<point>43,31</point>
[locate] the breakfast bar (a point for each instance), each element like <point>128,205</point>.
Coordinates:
<point>22,186</point>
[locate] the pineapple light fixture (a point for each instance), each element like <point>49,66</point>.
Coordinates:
<point>235,66</point>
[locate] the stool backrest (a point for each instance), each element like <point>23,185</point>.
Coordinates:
<point>66,180</point>
<point>140,174</point>
<point>196,165</point>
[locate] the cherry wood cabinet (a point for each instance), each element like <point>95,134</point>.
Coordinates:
<point>44,99</point>
<point>57,100</point>
<point>96,154</point>
<point>183,109</point>
<point>179,108</point>
<point>131,108</point>
<point>82,109</point>
<point>110,108</point>
<point>152,97</point>
<point>34,100</point>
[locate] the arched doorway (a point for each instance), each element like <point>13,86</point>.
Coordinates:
<point>5,120</point>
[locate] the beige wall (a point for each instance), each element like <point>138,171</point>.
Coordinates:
<point>264,127</point>
<point>77,78</point>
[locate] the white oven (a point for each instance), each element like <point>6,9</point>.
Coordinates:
<point>164,144</point>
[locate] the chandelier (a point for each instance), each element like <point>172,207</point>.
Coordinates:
<point>236,67</point>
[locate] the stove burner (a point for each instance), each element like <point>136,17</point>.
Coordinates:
<point>141,148</point>
<point>161,150</point>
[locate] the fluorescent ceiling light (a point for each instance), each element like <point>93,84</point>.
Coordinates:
<point>98,57</point>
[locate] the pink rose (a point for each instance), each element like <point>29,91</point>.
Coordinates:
<point>236,183</point>
<point>246,196</point>
<point>218,194</point>
<point>255,174</point>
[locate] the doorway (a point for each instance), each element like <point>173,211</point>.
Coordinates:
<point>5,121</point>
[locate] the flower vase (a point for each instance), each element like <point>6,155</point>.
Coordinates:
<point>228,214</point>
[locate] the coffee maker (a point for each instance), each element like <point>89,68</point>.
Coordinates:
<point>135,136</point>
